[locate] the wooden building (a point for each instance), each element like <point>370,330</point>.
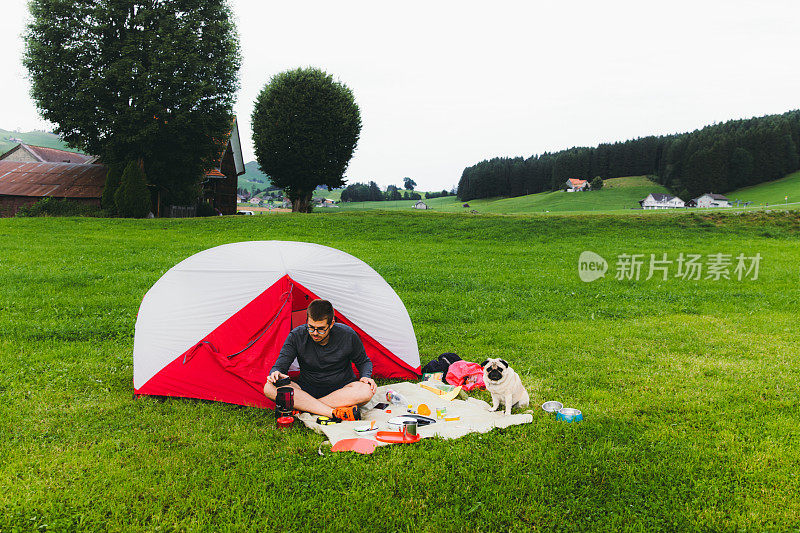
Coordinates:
<point>220,184</point>
<point>24,183</point>
<point>28,153</point>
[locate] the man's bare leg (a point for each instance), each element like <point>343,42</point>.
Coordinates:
<point>355,393</point>
<point>303,401</point>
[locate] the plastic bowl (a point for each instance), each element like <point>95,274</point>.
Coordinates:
<point>552,406</point>
<point>568,414</point>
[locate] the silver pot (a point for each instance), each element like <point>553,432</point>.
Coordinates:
<point>410,428</point>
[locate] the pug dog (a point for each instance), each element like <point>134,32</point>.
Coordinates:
<point>504,385</point>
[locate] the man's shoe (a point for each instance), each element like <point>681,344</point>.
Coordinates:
<point>351,412</point>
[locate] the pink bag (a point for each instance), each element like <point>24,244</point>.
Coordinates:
<point>468,375</point>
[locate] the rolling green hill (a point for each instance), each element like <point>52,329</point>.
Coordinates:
<point>253,178</point>
<point>771,192</point>
<point>36,138</point>
<point>618,194</point>
<point>335,194</point>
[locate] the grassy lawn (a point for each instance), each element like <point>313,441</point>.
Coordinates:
<point>688,387</point>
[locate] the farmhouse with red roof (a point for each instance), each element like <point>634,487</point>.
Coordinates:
<point>575,185</point>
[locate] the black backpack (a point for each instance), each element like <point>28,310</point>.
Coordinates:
<point>441,364</point>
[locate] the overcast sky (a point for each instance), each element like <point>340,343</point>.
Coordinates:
<point>443,85</point>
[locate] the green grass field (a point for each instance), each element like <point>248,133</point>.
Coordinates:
<point>36,138</point>
<point>619,195</point>
<point>776,192</point>
<point>335,194</point>
<point>688,387</point>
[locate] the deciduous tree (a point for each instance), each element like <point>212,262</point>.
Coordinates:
<point>305,128</point>
<point>149,80</point>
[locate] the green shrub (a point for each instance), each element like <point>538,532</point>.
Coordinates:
<point>205,209</point>
<point>113,181</point>
<point>54,207</point>
<point>597,183</point>
<point>132,197</point>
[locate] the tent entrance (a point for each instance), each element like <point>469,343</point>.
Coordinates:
<point>300,301</point>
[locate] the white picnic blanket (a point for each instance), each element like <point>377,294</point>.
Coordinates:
<point>472,413</point>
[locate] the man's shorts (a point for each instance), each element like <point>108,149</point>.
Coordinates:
<point>318,391</point>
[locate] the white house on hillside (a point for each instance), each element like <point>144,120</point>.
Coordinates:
<point>661,201</point>
<point>420,205</point>
<point>575,185</point>
<point>712,200</point>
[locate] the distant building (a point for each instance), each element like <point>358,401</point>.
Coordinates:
<point>26,153</point>
<point>575,185</point>
<point>24,183</point>
<point>712,200</point>
<point>221,182</point>
<point>661,201</point>
<point>326,202</point>
<point>29,173</point>
<point>420,205</point>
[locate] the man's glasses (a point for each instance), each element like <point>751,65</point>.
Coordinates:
<point>318,331</point>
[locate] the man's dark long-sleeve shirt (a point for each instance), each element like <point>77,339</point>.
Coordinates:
<point>328,365</point>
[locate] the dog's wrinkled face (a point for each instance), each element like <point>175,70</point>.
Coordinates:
<point>494,368</point>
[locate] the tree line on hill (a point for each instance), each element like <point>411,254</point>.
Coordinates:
<point>717,158</point>
<point>370,192</point>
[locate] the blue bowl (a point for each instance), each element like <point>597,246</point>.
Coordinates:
<point>568,414</point>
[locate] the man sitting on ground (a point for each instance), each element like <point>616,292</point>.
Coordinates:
<point>324,350</point>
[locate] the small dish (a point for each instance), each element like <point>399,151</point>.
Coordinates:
<point>552,406</point>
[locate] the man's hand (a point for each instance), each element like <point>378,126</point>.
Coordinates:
<point>371,382</point>
<point>275,376</point>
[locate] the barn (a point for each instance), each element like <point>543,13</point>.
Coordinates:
<point>28,153</point>
<point>220,184</point>
<point>24,183</point>
<point>29,173</point>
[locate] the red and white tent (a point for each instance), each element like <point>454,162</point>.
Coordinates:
<point>213,325</point>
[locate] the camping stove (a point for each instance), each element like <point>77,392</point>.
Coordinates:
<point>284,402</point>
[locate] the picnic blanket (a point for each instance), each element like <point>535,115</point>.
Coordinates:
<point>472,413</point>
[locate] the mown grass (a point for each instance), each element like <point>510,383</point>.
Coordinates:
<point>689,388</point>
